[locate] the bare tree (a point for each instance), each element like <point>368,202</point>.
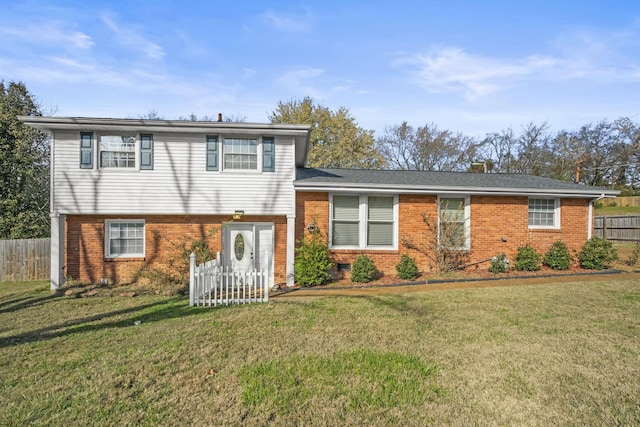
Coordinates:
<point>151,115</point>
<point>442,241</point>
<point>426,148</point>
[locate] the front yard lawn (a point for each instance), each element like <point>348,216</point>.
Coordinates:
<point>554,354</point>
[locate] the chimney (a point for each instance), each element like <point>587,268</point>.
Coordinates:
<point>478,167</point>
<point>219,117</point>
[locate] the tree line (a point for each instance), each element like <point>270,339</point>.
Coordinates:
<point>600,154</point>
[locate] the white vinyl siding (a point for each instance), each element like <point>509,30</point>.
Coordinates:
<point>454,222</point>
<point>177,184</point>
<point>544,213</point>
<point>363,221</point>
<point>124,239</point>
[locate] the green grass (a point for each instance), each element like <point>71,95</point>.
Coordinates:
<point>564,354</point>
<point>617,210</point>
<point>364,379</point>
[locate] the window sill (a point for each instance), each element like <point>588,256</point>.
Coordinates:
<point>388,250</point>
<point>124,259</point>
<point>240,171</point>
<point>544,230</point>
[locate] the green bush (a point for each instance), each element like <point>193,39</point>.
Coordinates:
<point>597,254</point>
<point>363,269</point>
<point>527,259</point>
<point>558,256</point>
<point>499,264</point>
<point>312,262</point>
<point>407,268</point>
<point>634,256</point>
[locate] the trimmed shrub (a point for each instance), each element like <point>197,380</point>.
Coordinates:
<point>634,256</point>
<point>597,254</point>
<point>499,264</point>
<point>527,259</point>
<point>363,270</point>
<point>407,268</point>
<point>312,262</point>
<point>558,256</point>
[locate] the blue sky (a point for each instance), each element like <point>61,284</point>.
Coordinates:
<point>468,66</point>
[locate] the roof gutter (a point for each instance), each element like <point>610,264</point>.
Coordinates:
<point>376,188</point>
<point>89,123</point>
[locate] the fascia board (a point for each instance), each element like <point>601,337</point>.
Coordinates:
<point>478,191</point>
<point>100,124</point>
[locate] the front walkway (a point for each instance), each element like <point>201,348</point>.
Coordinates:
<point>361,290</point>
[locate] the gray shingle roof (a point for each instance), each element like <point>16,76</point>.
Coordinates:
<point>433,182</point>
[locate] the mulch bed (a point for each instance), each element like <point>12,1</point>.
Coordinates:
<point>469,275</point>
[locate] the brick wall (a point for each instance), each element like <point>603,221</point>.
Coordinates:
<point>499,224</point>
<point>85,259</point>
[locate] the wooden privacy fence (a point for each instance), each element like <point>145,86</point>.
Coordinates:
<point>622,228</point>
<point>211,284</point>
<point>25,259</point>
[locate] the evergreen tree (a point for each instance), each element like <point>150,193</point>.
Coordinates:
<point>24,167</point>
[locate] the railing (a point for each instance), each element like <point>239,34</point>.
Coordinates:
<point>211,284</point>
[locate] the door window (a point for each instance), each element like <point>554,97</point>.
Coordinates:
<point>238,246</point>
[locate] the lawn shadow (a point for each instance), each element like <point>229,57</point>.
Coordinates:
<point>399,303</point>
<point>167,309</point>
<point>16,304</point>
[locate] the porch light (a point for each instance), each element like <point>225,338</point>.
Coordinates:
<point>238,214</point>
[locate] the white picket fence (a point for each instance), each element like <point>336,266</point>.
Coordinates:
<point>212,284</point>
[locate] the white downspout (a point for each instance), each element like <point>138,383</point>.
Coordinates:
<point>590,222</point>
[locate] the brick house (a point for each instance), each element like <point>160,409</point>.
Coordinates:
<point>126,193</point>
<point>498,212</point>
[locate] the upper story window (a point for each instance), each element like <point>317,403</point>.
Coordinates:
<point>454,222</point>
<point>363,221</point>
<point>116,151</point>
<point>240,154</point>
<point>544,213</point>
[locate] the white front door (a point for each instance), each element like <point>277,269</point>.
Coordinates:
<point>249,246</point>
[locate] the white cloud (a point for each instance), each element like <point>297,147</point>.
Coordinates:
<point>585,55</point>
<point>131,38</point>
<point>302,81</point>
<point>451,69</point>
<point>287,23</point>
<point>248,73</point>
<point>48,33</point>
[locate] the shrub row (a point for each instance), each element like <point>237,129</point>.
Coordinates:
<point>596,254</point>
<point>313,261</point>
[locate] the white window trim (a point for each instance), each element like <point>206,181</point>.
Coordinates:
<point>556,214</point>
<point>107,229</point>
<point>97,151</point>
<point>362,215</point>
<point>467,218</point>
